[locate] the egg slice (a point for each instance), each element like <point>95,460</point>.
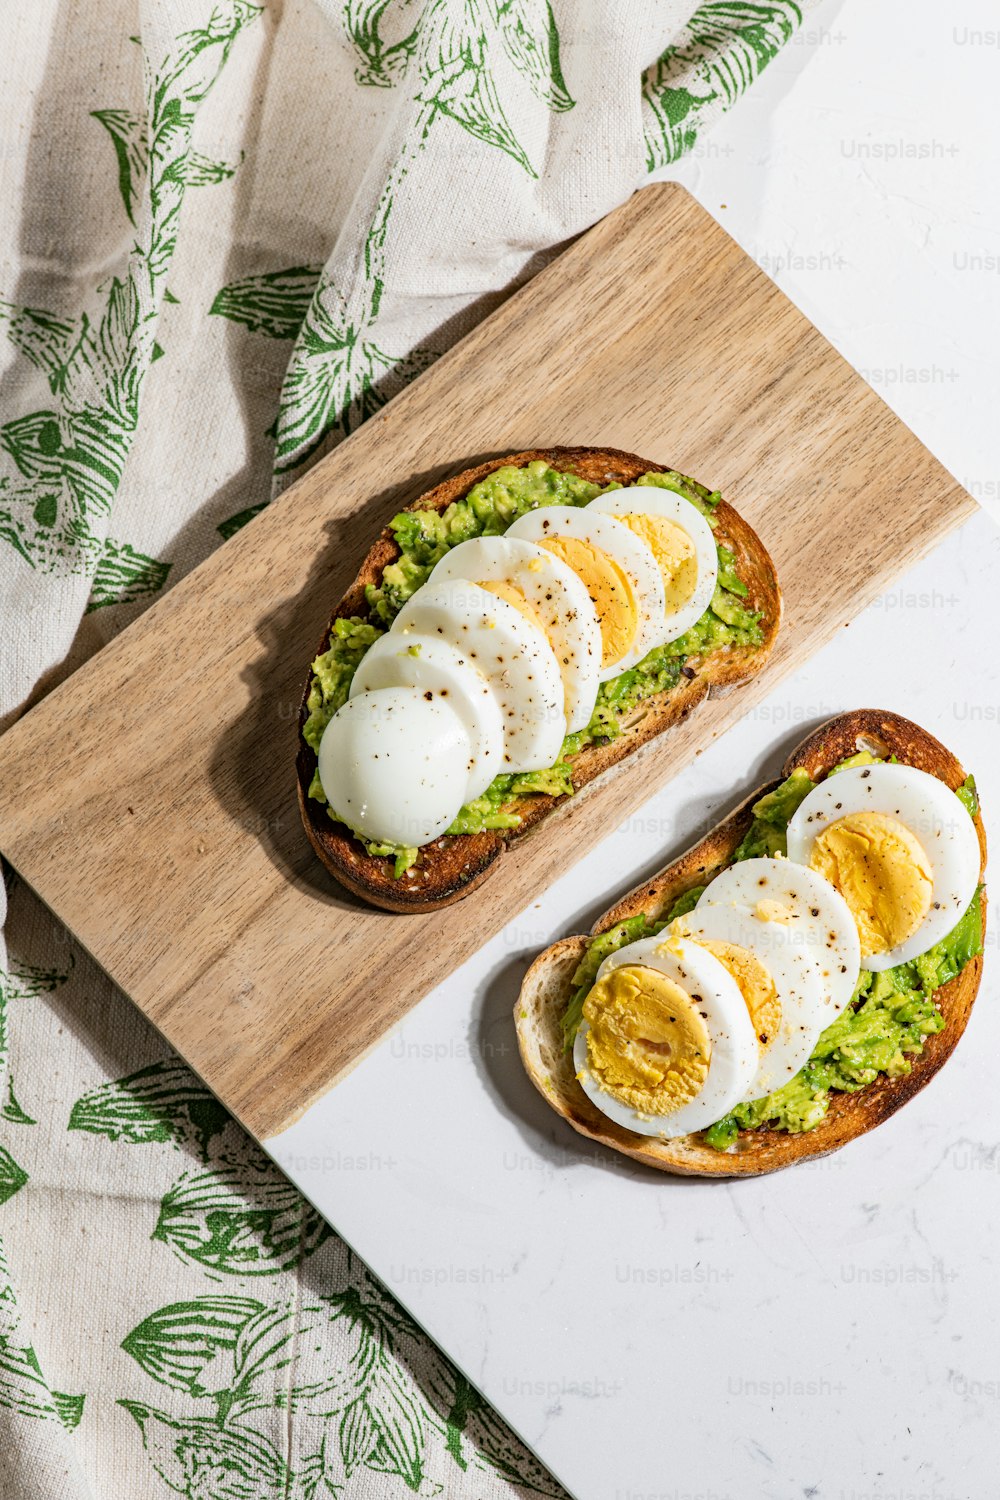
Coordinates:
<point>440,671</point>
<point>394,765</point>
<point>618,571</point>
<point>551,595</point>
<point>780,982</point>
<point>629,1036</point>
<point>681,541</point>
<point>899,847</point>
<point>817,917</point>
<point>513,655</point>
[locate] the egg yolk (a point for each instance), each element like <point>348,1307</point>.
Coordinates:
<point>756,985</point>
<point>881,870</point>
<point>674,553</point>
<point>608,587</point>
<point>501,588</point>
<point>773,911</point>
<point>648,1044</point>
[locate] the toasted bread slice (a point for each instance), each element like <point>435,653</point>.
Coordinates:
<point>451,867</point>
<point>548,985</point>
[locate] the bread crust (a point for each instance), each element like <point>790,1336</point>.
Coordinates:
<point>451,867</point>
<point>548,987</point>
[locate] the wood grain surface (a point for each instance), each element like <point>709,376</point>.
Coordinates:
<point>150,799</point>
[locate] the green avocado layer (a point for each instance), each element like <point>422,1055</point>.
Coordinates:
<point>490,507</point>
<point>890,1014</point>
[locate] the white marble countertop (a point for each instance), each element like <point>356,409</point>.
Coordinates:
<point>828,1332</point>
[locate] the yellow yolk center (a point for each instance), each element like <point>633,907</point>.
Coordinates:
<point>501,588</point>
<point>755,985</point>
<point>773,911</point>
<point>608,587</point>
<point>674,553</point>
<point>648,1044</point>
<point>881,870</point>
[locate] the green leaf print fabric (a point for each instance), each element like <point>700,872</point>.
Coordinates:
<point>231,231</point>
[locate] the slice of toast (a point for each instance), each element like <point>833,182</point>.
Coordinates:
<point>548,985</point>
<point>452,866</point>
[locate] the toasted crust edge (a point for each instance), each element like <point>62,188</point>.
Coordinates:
<point>547,986</point>
<point>451,868</point>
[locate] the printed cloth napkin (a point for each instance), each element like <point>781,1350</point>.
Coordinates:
<point>231,232</point>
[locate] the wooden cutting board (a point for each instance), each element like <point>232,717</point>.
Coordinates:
<point>150,799</point>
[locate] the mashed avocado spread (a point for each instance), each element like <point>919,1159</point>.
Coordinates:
<point>490,507</point>
<point>890,1014</point>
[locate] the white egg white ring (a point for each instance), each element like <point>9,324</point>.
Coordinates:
<point>645,499</point>
<point>819,919</point>
<point>734,1047</point>
<point>433,666</point>
<point>630,553</point>
<point>393,765</point>
<point>558,597</point>
<point>512,654</point>
<point>931,812</point>
<point>796,975</point>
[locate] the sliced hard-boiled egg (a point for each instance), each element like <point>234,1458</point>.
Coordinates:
<point>780,982</point>
<point>618,571</point>
<point>650,1019</point>
<point>681,541</point>
<point>394,765</point>
<point>513,655</point>
<point>542,587</point>
<point>440,671</point>
<point>901,850</point>
<point>817,917</point>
